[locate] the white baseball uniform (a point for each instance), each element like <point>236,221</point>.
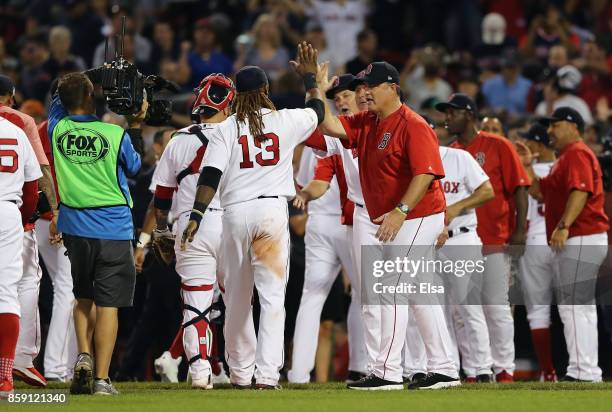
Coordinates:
<point>363,233</point>
<point>537,267</point>
<point>61,345</point>
<point>197,265</point>
<point>463,176</point>
<point>256,184</point>
<point>18,164</point>
<point>327,250</point>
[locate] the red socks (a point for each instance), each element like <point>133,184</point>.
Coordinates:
<point>542,345</point>
<point>9,325</point>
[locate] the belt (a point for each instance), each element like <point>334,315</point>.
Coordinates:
<point>267,197</point>
<point>12,201</point>
<point>359,205</point>
<point>458,231</point>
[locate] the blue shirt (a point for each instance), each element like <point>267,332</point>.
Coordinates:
<point>113,223</point>
<point>200,68</point>
<point>501,95</point>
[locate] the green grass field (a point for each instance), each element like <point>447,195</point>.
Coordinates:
<point>155,396</point>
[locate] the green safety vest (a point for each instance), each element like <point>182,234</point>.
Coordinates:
<point>85,156</point>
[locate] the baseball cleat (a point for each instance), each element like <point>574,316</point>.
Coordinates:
<point>104,387</point>
<point>374,383</point>
<point>548,376</point>
<point>167,367</point>
<point>485,378</point>
<point>30,376</point>
<point>241,387</point>
<point>202,382</point>
<point>264,387</point>
<point>418,377</point>
<point>82,381</point>
<point>568,378</point>
<point>6,388</point>
<point>354,376</point>
<point>504,377</point>
<point>435,381</point>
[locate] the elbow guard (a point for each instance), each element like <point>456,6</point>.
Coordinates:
<point>210,176</point>
<point>319,108</point>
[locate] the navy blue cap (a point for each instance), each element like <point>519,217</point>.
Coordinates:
<point>537,132</point>
<point>564,114</point>
<point>341,83</point>
<point>250,78</point>
<point>6,86</point>
<point>375,74</point>
<point>458,101</point>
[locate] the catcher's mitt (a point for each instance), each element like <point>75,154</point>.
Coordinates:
<point>163,246</point>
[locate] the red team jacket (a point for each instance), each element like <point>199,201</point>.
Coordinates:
<point>576,169</point>
<point>500,161</point>
<point>391,152</point>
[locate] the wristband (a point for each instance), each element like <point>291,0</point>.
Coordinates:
<point>196,216</point>
<point>143,239</point>
<point>310,81</point>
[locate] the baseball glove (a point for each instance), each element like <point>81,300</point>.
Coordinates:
<point>163,246</point>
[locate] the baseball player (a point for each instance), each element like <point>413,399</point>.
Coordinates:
<point>249,158</point>
<point>576,229</point>
<point>364,230</point>
<point>197,264</point>
<point>501,221</point>
<point>19,172</point>
<point>61,345</point>
<point>327,247</point>
<point>466,187</point>
<point>408,204</point>
<point>28,345</point>
<point>537,265</point>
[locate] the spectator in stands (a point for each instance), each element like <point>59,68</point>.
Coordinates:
<point>596,74</point>
<point>142,46</point>
<point>560,91</point>
<point>470,86</point>
<point>547,31</point>
<point>315,36</point>
<point>165,44</point>
<point>86,28</point>
<point>205,58</point>
<point>557,57</point>
<point>35,81</point>
<point>341,21</point>
<point>507,90</point>
<point>492,125</point>
<point>495,43</point>
<point>367,46</point>
<point>61,61</point>
<point>35,109</point>
<point>422,77</point>
<point>267,51</point>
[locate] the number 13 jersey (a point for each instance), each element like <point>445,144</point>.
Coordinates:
<point>253,169</point>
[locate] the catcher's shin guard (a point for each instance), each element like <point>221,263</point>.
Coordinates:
<point>197,336</point>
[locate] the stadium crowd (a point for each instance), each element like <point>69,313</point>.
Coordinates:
<point>516,59</point>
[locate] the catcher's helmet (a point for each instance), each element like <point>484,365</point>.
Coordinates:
<point>214,93</point>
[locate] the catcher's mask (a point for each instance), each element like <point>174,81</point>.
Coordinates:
<point>214,94</point>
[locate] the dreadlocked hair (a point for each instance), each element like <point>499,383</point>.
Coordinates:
<point>247,106</point>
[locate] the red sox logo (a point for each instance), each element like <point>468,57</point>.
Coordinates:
<point>450,187</point>
<point>336,82</point>
<point>384,141</point>
<point>480,158</point>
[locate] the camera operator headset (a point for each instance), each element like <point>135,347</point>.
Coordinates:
<point>92,162</point>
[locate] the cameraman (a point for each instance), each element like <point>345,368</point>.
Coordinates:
<point>92,159</point>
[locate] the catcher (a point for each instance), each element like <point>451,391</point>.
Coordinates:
<point>178,170</point>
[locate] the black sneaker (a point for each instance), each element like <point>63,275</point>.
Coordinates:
<point>82,381</point>
<point>241,387</point>
<point>264,387</point>
<point>485,378</point>
<point>374,383</point>
<point>354,376</point>
<point>568,378</point>
<point>435,381</point>
<point>418,377</point>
